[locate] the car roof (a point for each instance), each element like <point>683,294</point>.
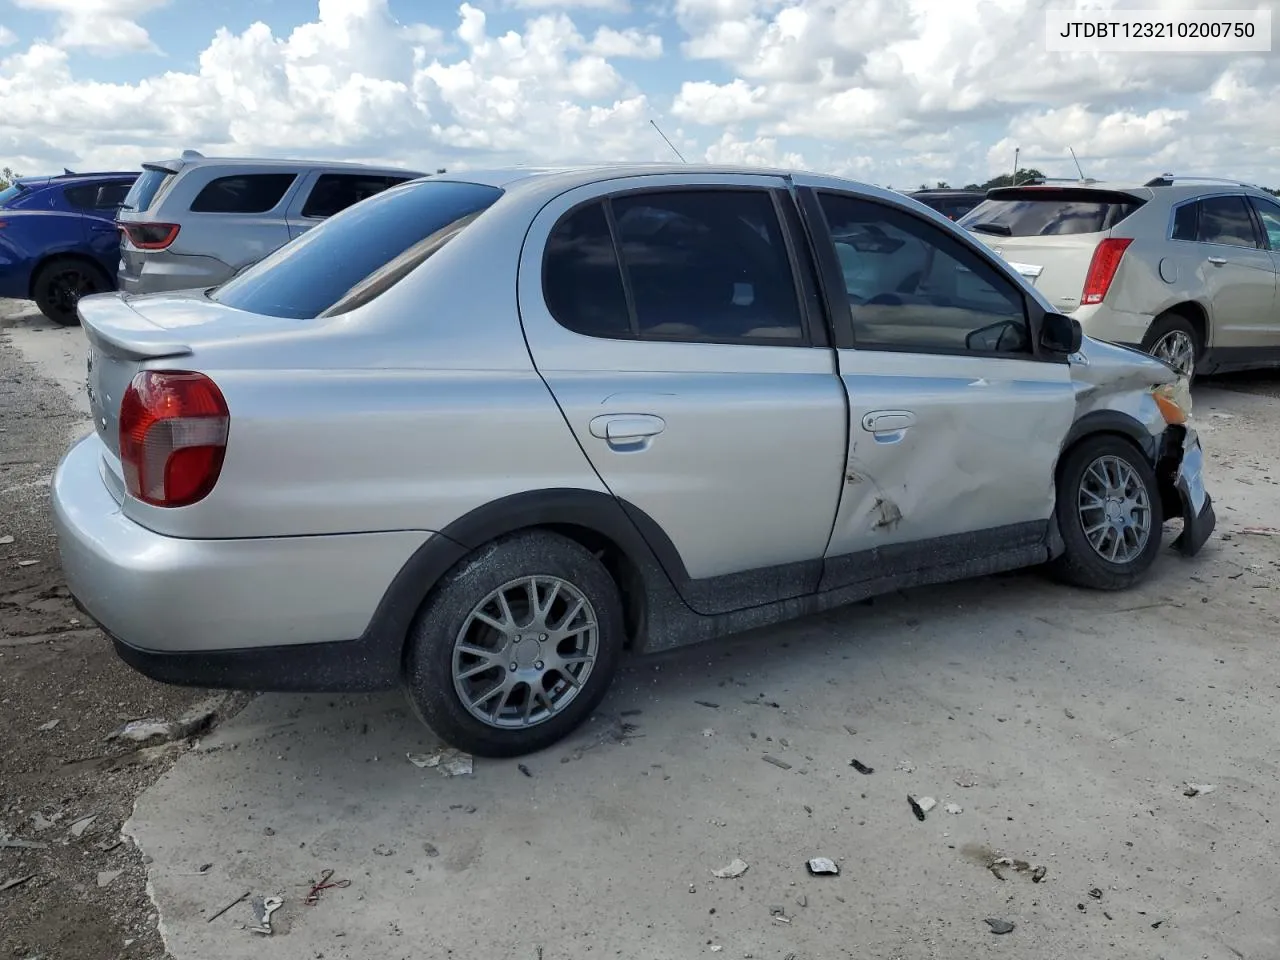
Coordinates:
<point>947,192</point>
<point>39,180</point>
<point>1175,189</point>
<point>268,162</point>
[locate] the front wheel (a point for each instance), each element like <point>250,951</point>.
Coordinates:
<point>59,285</point>
<point>1109,514</point>
<point>516,646</point>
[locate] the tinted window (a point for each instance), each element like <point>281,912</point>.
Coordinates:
<point>97,196</point>
<point>351,258</point>
<point>1270,215</point>
<point>145,189</point>
<point>1184,221</point>
<point>334,192</point>
<point>1226,220</point>
<point>913,287</point>
<point>581,281</point>
<point>9,192</point>
<point>707,265</point>
<point>246,193</point>
<point>1041,212</point>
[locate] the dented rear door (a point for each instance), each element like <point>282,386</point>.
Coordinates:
<point>954,425</point>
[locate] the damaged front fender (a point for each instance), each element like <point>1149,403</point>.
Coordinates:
<point>1181,474</point>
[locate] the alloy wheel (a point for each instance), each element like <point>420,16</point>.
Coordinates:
<point>1114,507</point>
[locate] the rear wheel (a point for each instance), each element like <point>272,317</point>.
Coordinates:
<point>1108,512</point>
<point>59,285</point>
<point>516,646</point>
<point>1174,339</point>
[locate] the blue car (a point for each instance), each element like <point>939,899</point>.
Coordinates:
<point>59,240</point>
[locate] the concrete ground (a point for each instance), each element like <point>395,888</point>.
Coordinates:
<point>1064,724</point>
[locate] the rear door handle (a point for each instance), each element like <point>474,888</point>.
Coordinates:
<point>1218,261</point>
<point>626,428</point>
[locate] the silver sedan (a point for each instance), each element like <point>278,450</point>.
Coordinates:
<point>482,433</point>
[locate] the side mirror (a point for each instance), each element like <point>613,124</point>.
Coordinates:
<point>1060,334</point>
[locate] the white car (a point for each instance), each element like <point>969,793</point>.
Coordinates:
<point>1182,267</point>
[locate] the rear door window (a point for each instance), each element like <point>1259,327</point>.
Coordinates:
<point>97,196</point>
<point>1269,214</point>
<point>353,257</point>
<point>334,192</point>
<point>146,188</point>
<point>581,278</point>
<point>243,193</point>
<point>1042,212</point>
<point>1226,220</point>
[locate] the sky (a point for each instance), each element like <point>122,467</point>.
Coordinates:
<point>894,92</point>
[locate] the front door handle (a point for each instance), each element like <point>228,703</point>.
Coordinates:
<point>1218,261</point>
<point>888,421</point>
<point>626,429</point>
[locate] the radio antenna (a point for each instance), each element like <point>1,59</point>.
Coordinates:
<point>669,143</point>
<point>1077,163</point>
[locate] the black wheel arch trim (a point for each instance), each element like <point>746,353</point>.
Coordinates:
<point>1114,421</point>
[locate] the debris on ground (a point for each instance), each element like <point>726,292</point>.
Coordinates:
<point>381,851</point>
<point>802,900</point>
<point>27,563</point>
<point>194,722</point>
<point>263,908</point>
<point>430,849</point>
<point>717,822</point>
<point>953,808</point>
<point>967,780</point>
<point>823,866</point>
<point>852,732</point>
<point>40,823</point>
<point>1156,925</point>
<point>906,766</point>
<point>707,703</point>
<point>861,767</point>
<point>46,727</point>
<point>1096,893</point>
<point>1198,789</point>
<point>716,948</point>
<point>240,899</point>
<point>523,769</point>
<point>999,926</point>
<point>777,911</point>
<point>920,806</point>
<point>1262,531</point>
<point>6,540</point>
<point>736,868</point>
<point>708,732</point>
<point>107,877</point>
<point>1019,866</point>
<point>449,762</point>
<point>326,882</point>
<point>1070,715</point>
<point>780,764</point>
<point>12,843</point>
<point>1038,874</point>
<point>16,882</point>
<point>78,828</point>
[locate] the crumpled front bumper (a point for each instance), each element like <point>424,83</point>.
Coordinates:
<point>1181,471</point>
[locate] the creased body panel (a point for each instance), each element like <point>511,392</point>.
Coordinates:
<point>957,445</point>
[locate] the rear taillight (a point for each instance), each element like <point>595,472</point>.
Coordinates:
<point>173,436</point>
<point>1103,267</point>
<point>150,236</point>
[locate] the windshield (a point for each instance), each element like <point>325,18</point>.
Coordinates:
<point>9,192</point>
<point>359,253</point>
<point>1039,212</point>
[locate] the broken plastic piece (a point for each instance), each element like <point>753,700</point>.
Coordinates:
<point>1038,874</point>
<point>450,763</point>
<point>953,808</point>
<point>861,767</point>
<point>780,764</point>
<point>999,926</point>
<point>736,868</point>
<point>1198,789</point>
<point>80,826</point>
<point>823,866</point>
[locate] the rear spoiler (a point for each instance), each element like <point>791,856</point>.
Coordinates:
<point>163,166</point>
<point>115,328</point>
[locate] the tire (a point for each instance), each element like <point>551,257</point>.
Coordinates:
<point>1166,335</point>
<point>566,573</point>
<point>1083,564</point>
<point>59,285</point>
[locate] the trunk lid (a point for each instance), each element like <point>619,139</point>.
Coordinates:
<point>1049,233</point>
<point>1056,266</point>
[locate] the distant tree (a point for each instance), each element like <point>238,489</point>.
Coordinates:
<point>942,185</point>
<point>7,176</point>
<point>1274,193</point>
<point>1005,180</point>
<point>973,186</point>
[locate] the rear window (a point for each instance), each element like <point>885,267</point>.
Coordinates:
<point>1040,212</point>
<point>9,192</point>
<point>245,193</point>
<point>352,258</point>
<point>143,192</point>
<point>334,192</point>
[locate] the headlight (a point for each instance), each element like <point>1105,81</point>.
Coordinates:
<point>1174,400</point>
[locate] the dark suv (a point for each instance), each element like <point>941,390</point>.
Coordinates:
<point>58,239</point>
<point>952,204</point>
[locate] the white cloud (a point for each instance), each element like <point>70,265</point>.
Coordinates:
<point>896,91</point>
<point>105,27</point>
<point>7,37</point>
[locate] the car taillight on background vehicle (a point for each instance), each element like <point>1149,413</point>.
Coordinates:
<point>1103,267</point>
<point>150,236</point>
<point>173,436</point>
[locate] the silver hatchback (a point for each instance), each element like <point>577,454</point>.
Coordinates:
<point>195,221</point>
<point>481,434</point>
